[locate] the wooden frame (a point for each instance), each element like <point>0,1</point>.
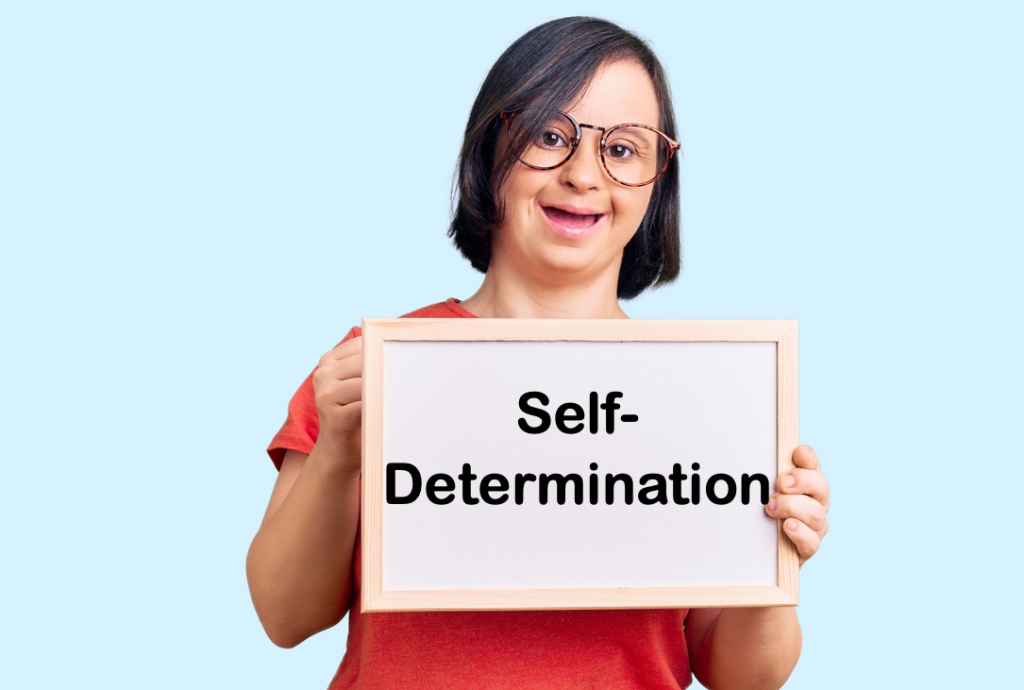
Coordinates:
<point>376,331</point>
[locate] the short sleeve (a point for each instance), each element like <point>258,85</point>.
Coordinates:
<point>302,426</point>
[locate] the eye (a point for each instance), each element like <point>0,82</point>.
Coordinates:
<point>552,140</point>
<point>619,152</point>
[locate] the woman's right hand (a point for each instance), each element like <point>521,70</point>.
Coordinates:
<point>338,390</point>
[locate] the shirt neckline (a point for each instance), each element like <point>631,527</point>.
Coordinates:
<point>453,304</point>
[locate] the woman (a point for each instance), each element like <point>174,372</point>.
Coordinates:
<point>565,213</point>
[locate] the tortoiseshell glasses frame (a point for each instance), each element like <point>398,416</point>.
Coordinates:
<point>671,145</point>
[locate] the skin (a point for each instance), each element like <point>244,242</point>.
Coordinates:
<point>537,273</point>
<point>300,562</point>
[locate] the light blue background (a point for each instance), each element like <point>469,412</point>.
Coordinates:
<point>198,199</point>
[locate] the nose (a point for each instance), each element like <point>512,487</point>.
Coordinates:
<point>584,171</point>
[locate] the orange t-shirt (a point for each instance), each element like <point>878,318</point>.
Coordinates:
<point>606,649</point>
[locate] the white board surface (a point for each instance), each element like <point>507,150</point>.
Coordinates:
<point>448,403</point>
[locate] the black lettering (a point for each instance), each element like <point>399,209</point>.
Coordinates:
<point>486,488</point>
<point>730,484</point>
<point>521,480</point>
<point>392,495</point>
<point>561,481</point>
<point>593,412</point>
<point>609,488</point>
<point>433,489</point>
<point>659,491</point>
<point>695,484</point>
<point>678,478</point>
<point>561,416</point>
<point>542,415</point>
<point>609,406</point>
<point>749,479</point>
<point>593,485</point>
<point>467,478</point>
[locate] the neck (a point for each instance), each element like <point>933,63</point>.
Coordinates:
<point>505,294</point>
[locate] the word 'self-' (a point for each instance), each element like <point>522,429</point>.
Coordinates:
<point>571,412</point>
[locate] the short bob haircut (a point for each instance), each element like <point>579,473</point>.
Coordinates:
<point>548,68</point>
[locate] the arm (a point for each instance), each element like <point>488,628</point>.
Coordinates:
<point>754,648</point>
<point>299,565</point>
<point>749,648</point>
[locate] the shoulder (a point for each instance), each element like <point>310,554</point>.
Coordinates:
<point>449,309</point>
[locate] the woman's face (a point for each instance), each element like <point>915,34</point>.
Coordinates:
<point>569,225</point>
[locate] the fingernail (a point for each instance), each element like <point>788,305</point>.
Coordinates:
<point>788,481</point>
<point>771,505</point>
<point>791,525</point>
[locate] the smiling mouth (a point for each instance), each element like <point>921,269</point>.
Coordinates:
<point>571,221</point>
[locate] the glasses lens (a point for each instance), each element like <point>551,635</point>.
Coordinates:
<point>634,155</point>
<point>550,145</point>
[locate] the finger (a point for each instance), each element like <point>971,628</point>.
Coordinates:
<point>804,456</point>
<point>352,423</point>
<point>809,482</point>
<point>344,349</point>
<point>347,368</point>
<point>803,537</point>
<point>345,425</point>
<point>803,508</point>
<point>337,393</point>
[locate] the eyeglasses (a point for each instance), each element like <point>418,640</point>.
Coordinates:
<point>633,155</point>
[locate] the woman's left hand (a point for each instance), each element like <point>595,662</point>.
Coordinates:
<point>802,502</point>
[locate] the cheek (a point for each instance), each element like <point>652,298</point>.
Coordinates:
<point>519,194</point>
<point>631,207</point>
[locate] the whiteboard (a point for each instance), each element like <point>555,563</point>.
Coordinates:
<point>446,406</point>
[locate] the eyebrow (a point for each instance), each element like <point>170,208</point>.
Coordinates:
<point>625,124</point>
<point>632,127</point>
<point>634,130</point>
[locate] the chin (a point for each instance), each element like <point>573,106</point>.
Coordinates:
<point>569,261</point>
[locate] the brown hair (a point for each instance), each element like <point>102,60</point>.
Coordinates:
<point>547,68</point>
